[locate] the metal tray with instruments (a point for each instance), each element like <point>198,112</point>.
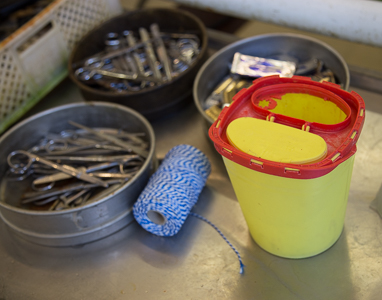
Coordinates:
<point>108,206</point>
<point>197,263</point>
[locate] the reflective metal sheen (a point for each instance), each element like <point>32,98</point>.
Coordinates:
<point>197,263</point>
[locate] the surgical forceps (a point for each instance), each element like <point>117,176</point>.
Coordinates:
<point>20,167</point>
<point>113,139</point>
<point>121,163</point>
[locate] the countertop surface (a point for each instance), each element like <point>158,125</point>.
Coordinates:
<point>197,263</point>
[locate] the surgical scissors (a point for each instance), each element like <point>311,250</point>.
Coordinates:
<point>21,168</point>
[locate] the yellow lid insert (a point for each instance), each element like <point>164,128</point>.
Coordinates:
<point>275,142</point>
<point>305,107</point>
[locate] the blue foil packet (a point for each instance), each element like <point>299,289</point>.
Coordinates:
<point>253,66</point>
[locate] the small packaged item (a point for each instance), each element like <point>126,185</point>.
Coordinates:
<point>258,67</point>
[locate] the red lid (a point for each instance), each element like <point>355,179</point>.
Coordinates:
<point>340,137</point>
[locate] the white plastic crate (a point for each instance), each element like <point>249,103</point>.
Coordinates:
<point>33,60</point>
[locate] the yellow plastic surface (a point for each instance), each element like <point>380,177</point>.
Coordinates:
<point>292,218</point>
<point>275,142</point>
<point>307,107</point>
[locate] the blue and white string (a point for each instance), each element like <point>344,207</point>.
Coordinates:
<point>223,236</point>
<point>172,191</point>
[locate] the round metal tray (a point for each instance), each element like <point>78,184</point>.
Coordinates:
<point>83,224</point>
<point>301,47</point>
<point>155,101</point>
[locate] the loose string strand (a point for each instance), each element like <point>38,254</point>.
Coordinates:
<point>223,236</point>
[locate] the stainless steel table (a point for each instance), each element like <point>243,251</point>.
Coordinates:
<point>197,263</point>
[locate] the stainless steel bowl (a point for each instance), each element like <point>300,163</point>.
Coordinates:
<point>152,102</point>
<point>83,224</point>
<point>301,47</point>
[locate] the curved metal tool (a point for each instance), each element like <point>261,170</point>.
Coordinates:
<point>30,158</point>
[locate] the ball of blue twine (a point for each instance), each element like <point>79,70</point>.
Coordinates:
<point>172,191</point>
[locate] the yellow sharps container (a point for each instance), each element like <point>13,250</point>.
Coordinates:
<point>289,145</point>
